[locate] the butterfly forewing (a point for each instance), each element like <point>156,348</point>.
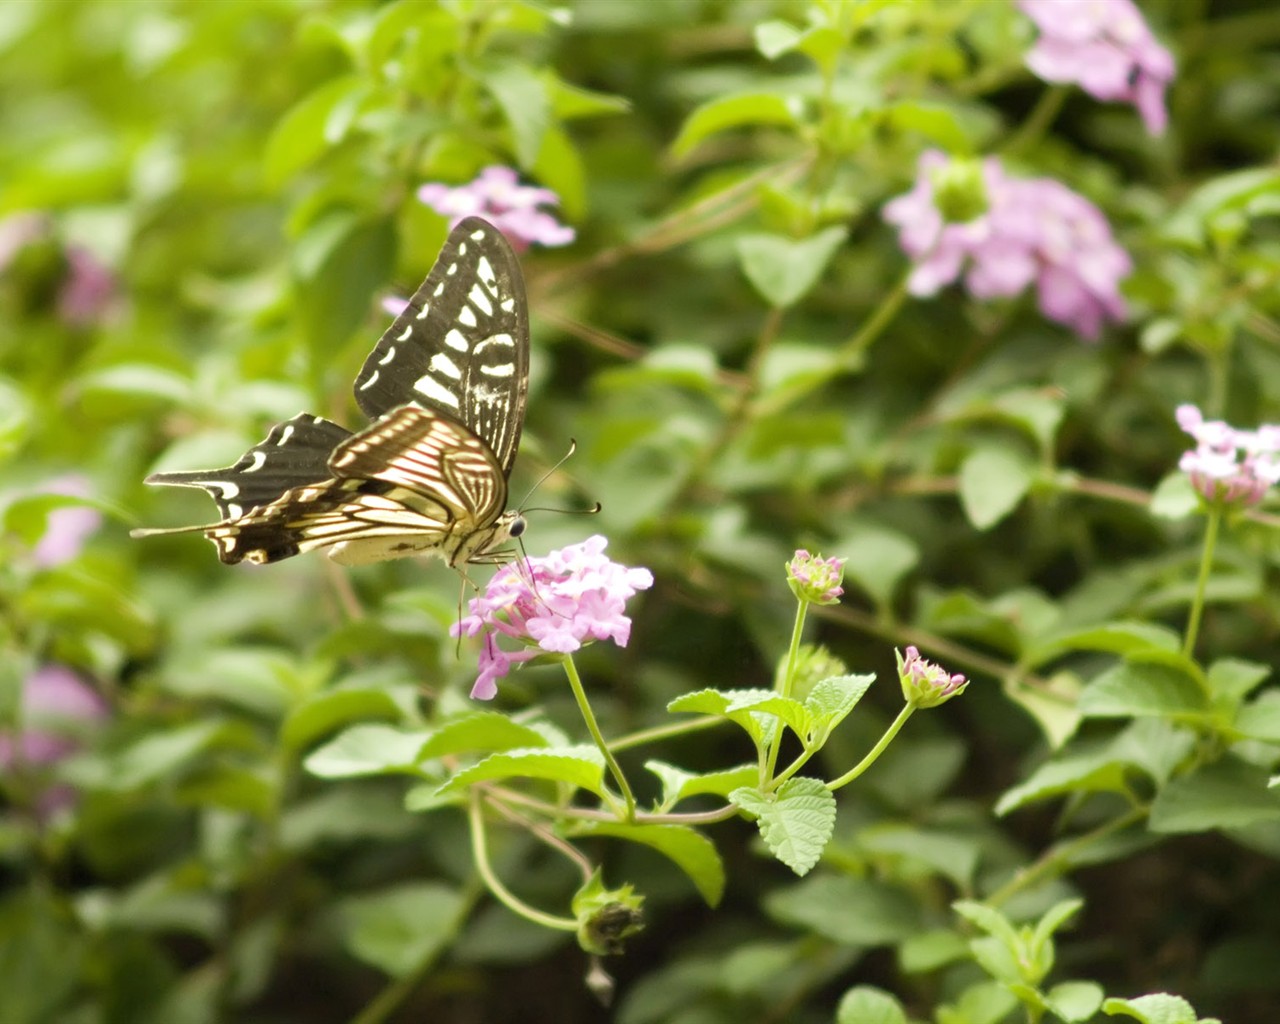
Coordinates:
<point>461,346</point>
<point>445,387</point>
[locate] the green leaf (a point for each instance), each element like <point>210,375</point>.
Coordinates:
<point>955,856</point>
<point>851,911</point>
<point>831,699</point>
<point>691,851</point>
<point>319,715</point>
<point>581,766</point>
<point>340,261</point>
<point>160,755</point>
<point>1075,1000</point>
<point>1088,772</point>
<point>868,1005</point>
<point>928,951</point>
<point>399,930</point>
<point>480,730</point>
<point>368,749</point>
<point>1123,638</point>
<point>783,271</point>
<point>993,481</point>
<point>1159,1008</point>
<point>879,558</point>
<point>933,121</point>
<point>522,95</point>
<point>1228,794</point>
<point>1260,720</point>
<point>570,101</point>
<point>1143,688</point>
<point>678,784</point>
<point>729,704</point>
<point>989,920</point>
<point>1174,497</point>
<point>316,123</point>
<point>1233,679</point>
<point>726,112</point>
<point>795,822</point>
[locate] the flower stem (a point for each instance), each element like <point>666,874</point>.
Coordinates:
<point>875,751</point>
<point>475,816</point>
<point>588,716</point>
<point>1206,564</point>
<point>788,684</point>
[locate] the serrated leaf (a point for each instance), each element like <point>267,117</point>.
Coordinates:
<point>795,821</point>
<point>787,709</point>
<point>581,766</point>
<point>782,270</point>
<point>691,851</point>
<point>726,112</point>
<point>319,715</point>
<point>367,749</point>
<point>1158,1008</point>
<point>480,731</point>
<point>993,481</point>
<point>867,1005</point>
<point>832,699</point>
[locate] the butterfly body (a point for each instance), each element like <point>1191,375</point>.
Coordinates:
<point>445,387</point>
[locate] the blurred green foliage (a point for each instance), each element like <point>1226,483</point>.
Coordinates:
<point>730,346</point>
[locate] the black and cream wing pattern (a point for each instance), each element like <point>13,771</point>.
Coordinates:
<point>445,388</point>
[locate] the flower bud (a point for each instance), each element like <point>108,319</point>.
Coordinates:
<point>814,579</point>
<point>925,684</point>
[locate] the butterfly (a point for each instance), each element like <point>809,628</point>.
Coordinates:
<point>445,389</point>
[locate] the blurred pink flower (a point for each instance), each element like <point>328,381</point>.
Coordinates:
<point>497,196</point>
<point>67,528</point>
<point>554,604</point>
<point>1034,230</point>
<point>1106,48</point>
<point>87,291</point>
<point>1229,466</point>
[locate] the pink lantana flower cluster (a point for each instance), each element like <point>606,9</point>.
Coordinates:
<point>86,288</point>
<point>497,196</point>
<point>1033,231</point>
<point>554,604</point>
<point>815,579</point>
<point>1106,48</point>
<point>1229,466</point>
<point>926,684</point>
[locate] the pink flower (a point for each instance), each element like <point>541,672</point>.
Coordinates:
<point>1034,230</point>
<point>57,710</point>
<point>87,291</point>
<point>554,604</point>
<point>1106,48</point>
<point>497,196</point>
<point>926,684</point>
<point>67,528</point>
<point>815,579</point>
<point>1229,467</point>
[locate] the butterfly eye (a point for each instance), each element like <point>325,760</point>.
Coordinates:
<point>517,526</point>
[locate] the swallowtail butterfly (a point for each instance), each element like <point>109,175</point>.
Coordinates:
<point>445,388</point>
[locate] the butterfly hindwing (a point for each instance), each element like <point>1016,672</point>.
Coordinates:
<point>295,452</point>
<point>461,346</point>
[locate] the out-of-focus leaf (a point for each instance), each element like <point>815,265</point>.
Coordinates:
<point>398,929</point>
<point>783,270</point>
<point>726,112</point>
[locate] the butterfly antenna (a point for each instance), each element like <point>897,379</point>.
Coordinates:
<point>573,447</point>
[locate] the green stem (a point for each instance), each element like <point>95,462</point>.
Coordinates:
<point>1038,121</point>
<point>1202,583</point>
<point>475,815</point>
<point>875,751</point>
<point>588,716</point>
<point>788,684</point>
<point>662,732</point>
